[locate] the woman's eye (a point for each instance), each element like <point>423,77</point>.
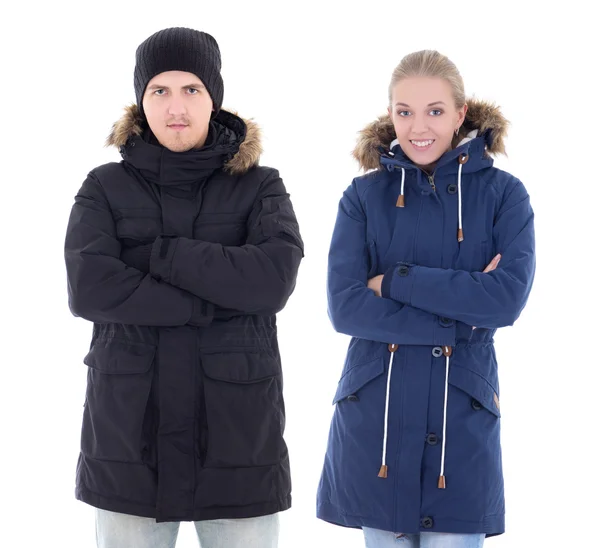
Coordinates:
<point>403,113</point>
<point>436,112</point>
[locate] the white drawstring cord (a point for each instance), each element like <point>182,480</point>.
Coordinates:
<point>461,160</point>
<point>400,201</point>
<point>442,479</point>
<point>384,469</point>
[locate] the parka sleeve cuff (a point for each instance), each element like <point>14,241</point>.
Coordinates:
<point>386,282</point>
<point>161,258</point>
<point>398,282</point>
<point>202,313</point>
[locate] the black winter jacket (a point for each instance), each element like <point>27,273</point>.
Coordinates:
<point>184,414</point>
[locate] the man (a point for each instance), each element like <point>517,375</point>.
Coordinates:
<point>181,255</point>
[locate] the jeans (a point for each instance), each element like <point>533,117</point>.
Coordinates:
<point>375,538</point>
<point>114,530</point>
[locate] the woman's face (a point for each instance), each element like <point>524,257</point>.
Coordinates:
<point>425,118</point>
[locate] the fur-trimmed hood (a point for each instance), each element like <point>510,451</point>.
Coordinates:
<point>483,116</point>
<point>248,155</point>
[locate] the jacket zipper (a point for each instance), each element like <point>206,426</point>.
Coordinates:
<point>431,181</point>
<point>430,178</point>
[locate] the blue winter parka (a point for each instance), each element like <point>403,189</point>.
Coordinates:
<point>414,443</point>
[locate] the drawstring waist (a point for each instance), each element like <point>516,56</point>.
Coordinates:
<point>383,470</point>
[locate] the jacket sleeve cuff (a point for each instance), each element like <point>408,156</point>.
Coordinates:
<point>161,258</point>
<point>202,313</point>
<point>398,282</point>
<point>386,283</point>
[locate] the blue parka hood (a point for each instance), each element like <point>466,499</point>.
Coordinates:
<point>482,116</point>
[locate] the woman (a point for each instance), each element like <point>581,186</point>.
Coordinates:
<point>431,253</point>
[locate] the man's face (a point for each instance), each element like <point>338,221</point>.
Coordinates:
<point>178,109</point>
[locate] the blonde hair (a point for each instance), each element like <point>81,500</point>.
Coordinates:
<point>432,64</point>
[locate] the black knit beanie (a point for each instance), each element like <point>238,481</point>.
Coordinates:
<point>182,49</point>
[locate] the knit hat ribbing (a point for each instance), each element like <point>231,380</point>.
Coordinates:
<point>182,49</point>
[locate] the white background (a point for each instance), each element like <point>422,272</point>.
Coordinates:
<point>311,75</point>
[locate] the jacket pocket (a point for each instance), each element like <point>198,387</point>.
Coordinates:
<point>119,381</point>
<point>279,221</point>
<point>357,377</point>
<point>135,227</point>
<point>373,263</point>
<point>224,228</point>
<point>245,415</point>
<point>472,254</point>
<point>482,394</point>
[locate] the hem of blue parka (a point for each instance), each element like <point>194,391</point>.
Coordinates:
<point>491,526</point>
<point>198,514</point>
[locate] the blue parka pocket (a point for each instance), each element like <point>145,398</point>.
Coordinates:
<point>357,377</point>
<point>482,393</point>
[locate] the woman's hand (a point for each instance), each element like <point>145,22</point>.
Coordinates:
<point>493,264</point>
<point>375,284</point>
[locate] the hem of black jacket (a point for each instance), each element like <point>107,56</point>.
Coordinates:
<point>491,525</point>
<point>200,514</point>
